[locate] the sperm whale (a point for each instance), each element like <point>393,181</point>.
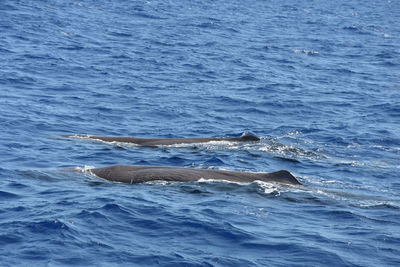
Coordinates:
<point>246,137</point>
<point>141,174</point>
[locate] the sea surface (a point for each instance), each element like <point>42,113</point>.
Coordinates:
<point>317,81</point>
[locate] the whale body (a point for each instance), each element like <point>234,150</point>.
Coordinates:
<point>141,174</point>
<point>166,141</point>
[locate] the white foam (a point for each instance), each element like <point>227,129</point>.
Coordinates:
<point>289,150</point>
<point>80,136</point>
<point>269,188</point>
<point>84,169</point>
<point>203,180</point>
<point>307,52</point>
<point>158,182</point>
<point>90,137</point>
<point>68,34</point>
<point>208,145</point>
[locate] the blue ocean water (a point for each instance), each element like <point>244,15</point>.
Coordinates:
<point>318,81</point>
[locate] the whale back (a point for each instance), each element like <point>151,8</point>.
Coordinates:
<point>246,137</point>
<point>140,174</point>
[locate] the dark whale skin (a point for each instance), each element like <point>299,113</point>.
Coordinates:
<point>142,174</point>
<point>166,141</point>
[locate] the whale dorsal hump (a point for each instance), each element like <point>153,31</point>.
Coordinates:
<point>249,137</point>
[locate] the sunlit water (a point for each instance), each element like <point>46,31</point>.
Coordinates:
<point>318,81</point>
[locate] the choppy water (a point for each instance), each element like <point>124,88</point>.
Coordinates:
<point>317,80</point>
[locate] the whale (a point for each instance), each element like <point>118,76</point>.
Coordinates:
<point>142,174</point>
<point>246,137</point>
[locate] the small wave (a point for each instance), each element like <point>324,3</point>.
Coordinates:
<point>358,29</point>
<point>69,34</point>
<point>321,181</point>
<point>119,34</point>
<point>7,195</point>
<point>376,164</point>
<point>7,239</point>
<point>72,47</point>
<point>385,148</point>
<point>39,175</point>
<point>209,181</point>
<point>379,205</point>
<point>339,191</point>
<point>215,161</point>
<point>290,152</point>
<point>47,225</point>
<point>307,52</point>
<point>350,163</point>
<point>287,159</point>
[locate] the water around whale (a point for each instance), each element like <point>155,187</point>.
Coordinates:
<point>316,81</point>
